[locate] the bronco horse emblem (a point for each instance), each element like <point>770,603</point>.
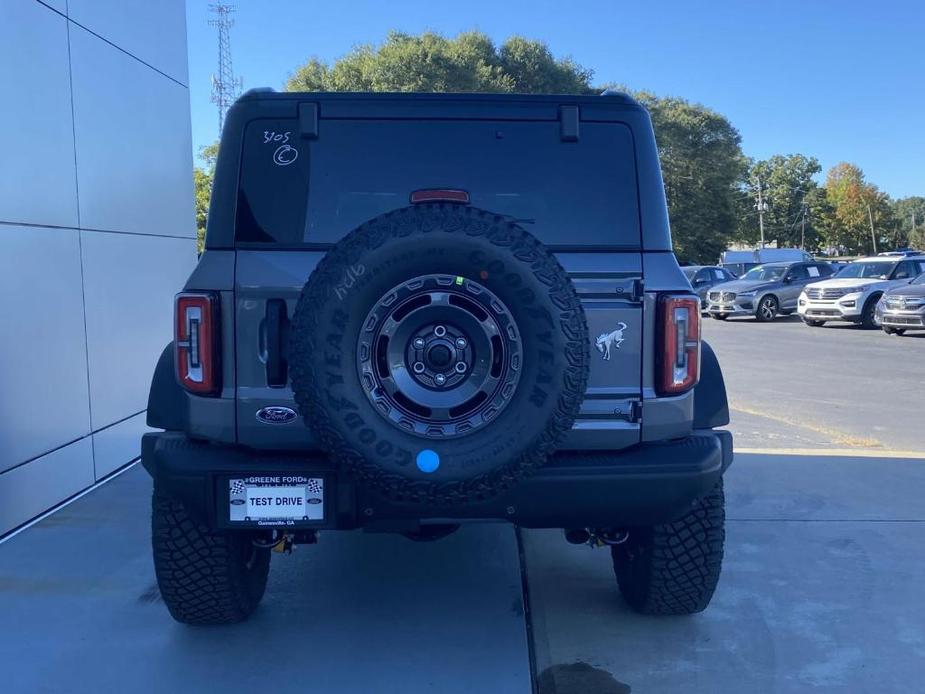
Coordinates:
<point>606,341</point>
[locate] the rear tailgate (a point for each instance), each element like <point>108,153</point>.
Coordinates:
<point>570,183</point>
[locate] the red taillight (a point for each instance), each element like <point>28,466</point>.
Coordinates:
<point>196,335</point>
<point>440,195</point>
<point>679,344</point>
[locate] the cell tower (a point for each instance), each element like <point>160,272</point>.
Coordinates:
<point>225,87</point>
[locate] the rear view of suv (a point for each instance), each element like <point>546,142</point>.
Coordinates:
<point>418,311</point>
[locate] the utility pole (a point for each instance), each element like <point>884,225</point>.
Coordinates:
<point>761,207</point>
<point>225,88</point>
<point>803,230</point>
<point>873,237</point>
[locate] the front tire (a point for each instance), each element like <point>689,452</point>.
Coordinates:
<point>814,323</point>
<point>767,309</point>
<point>719,316</point>
<point>868,317</point>
<point>205,576</point>
<point>894,331</point>
<point>673,569</point>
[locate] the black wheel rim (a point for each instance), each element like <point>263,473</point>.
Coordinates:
<point>439,356</point>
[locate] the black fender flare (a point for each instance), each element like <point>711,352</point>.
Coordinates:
<point>168,405</point>
<point>711,408</point>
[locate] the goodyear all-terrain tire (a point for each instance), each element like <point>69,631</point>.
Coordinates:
<point>205,576</point>
<point>439,353</point>
<point>673,569</point>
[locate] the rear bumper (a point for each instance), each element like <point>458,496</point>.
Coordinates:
<point>647,484</point>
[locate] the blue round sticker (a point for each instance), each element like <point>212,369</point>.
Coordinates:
<point>428,460</point>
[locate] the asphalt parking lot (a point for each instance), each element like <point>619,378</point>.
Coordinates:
<point>820,590</point>
<point>838,386</point>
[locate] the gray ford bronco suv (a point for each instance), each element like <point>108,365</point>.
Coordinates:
<point>415,311</point>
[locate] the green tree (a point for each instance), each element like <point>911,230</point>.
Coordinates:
<point>820,218</point>
<point>910,220</point>
<point>429,62</point>
<point>857,203</point>
<point>786,183</point>
<point>202,189</point>
<point>703,166</point>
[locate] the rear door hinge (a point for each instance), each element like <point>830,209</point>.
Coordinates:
<point>638,291</point>
<point>636,411</point>
<point>569,119</point>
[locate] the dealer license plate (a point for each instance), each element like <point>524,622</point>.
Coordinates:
<point>276,499</point>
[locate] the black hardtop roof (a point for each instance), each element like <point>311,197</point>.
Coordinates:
<point>311,108</point>
<point>608,96</point>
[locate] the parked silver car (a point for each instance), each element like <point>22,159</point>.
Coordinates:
<point>702,277</point>
<point>765,291</point>
<point>903,308</point>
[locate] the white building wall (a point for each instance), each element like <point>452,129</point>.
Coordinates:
<point>97,233</point>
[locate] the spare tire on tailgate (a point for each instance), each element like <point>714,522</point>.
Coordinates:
<point>440,353</point>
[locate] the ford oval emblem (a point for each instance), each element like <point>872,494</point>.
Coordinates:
<point>276,415</point>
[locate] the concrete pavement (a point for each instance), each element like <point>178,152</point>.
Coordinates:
<point>820,588</point>
<point>357,613</point>
<point>820,591</point>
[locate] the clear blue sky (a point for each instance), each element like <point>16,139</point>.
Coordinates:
<point>841,81</point>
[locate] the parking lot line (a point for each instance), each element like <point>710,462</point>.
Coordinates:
<point>835,452</point>
<point>831,433</point>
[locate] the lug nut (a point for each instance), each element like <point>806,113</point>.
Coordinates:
<point>418,367</point>
<point>419,343</point>
<point>439,379</point>
<point>461,342</point>
<point>461,367</point>
<point>439,331</point>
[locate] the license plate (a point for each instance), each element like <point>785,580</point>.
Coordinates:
<point>275,500</point>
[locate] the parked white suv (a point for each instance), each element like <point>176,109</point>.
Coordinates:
<point>852,295</point>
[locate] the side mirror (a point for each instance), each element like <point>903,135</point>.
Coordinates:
<point>788,279</point>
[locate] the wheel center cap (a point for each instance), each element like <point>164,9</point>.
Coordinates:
<point>439,356</point>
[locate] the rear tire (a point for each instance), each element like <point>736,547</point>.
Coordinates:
<point>673,569</point>
<point>205,576</point>
<point>895,331</point>
<point>767,309</point>
<point>814,323</point>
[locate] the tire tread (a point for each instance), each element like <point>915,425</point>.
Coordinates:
<point>202,573</point>
<point>673,569</point>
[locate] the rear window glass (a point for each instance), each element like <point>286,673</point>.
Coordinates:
<point>295,191</point>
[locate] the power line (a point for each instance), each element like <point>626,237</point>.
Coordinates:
<point>225,87</point>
